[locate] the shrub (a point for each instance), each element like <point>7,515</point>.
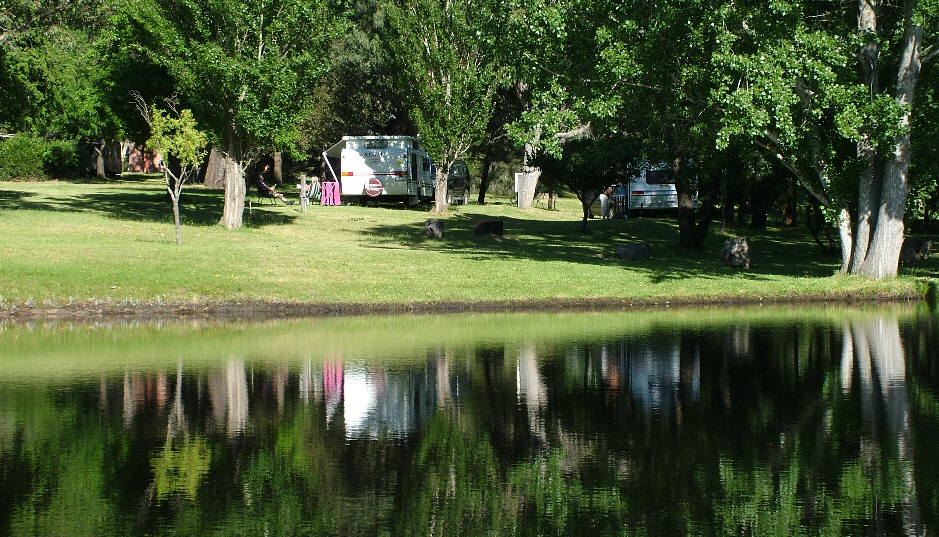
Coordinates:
<point>30,157</point>
<point>61,158</point>
<point>21,157</point>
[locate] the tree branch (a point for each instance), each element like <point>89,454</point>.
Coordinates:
<point>579,132</point>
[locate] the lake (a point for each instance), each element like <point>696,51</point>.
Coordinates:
<point>714,421</point>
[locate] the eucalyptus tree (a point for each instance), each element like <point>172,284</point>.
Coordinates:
<point>446,74</point>
<point>22,18</point>
<point>242,67</point>
<point>553,52</point>
<point>828,88</point>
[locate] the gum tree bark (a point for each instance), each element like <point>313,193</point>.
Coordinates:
<point>883,254</point>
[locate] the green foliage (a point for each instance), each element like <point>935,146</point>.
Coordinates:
<point>587,165</point>
<point>241,67</point>
<point>445,71</point>
<point>30,157</point>
<point>61,158</point>
<point>21,157</point>
<point>177,136</point>
<point>179,469</point>
<point>56,81</point>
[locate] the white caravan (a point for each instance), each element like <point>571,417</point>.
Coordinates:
<point>652,189</point>
<point>381,167</point>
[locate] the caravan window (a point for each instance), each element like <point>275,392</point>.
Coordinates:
<point>376,144</point>
<point>660,177</point>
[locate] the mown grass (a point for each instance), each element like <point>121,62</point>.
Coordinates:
<point>68,242</point>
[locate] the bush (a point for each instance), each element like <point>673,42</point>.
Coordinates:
<point>21,157</point>
<point>30,157</point>
<point>61,158</point>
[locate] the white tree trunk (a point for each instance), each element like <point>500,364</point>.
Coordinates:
<point>99,160</point>
<point>530,176</point>
<point>278,174</point>
<point>234,194</point>
<point>440,188</point>
<point>884,251</point>
<point>846,239</point>
<point>862,227</point>
<point>527,186</point>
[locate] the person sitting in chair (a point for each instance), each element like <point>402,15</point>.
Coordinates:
<point>268,192</point>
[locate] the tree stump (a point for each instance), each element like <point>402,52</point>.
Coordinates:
<point>736,253</point>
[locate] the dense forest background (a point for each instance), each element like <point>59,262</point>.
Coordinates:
<point>823,111</point>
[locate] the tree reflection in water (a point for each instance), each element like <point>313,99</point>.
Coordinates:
<point>749,428</point>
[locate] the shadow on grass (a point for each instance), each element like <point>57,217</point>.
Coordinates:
<point>198,207</point>
<point>783,252</point>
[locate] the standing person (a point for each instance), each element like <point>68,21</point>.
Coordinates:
<point>605,202</point>
<point>267,191</point>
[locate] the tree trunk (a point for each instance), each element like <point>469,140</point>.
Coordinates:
<point>727,210</point>
<point>527,186</point>
<point>883,254</point>
<point>530,176</point>
<point>845,238</point>
<point>686,223</point>
<point>116,158</point>
<point>215,171</point>
<point>176,219</point>
<point>440,187</point>
<point>99,160</point>
<point>585,205</point>
<point>235,191</point>
<point>278,176</point>
<point>484,178</point>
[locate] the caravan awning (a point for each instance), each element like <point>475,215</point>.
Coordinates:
<point>336,150</point>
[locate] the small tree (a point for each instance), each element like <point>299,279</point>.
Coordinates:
<point>586,167</point>
<point>174,135</point>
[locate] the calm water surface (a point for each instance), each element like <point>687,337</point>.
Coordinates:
<point>710,422</point>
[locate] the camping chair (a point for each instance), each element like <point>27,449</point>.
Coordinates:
<point>266,195</point>
<point>313,191</point>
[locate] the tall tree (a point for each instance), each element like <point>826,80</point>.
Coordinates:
<point>446,75</point>
<point>845,132</point>
<point>358,96</point>
<point>243,68</point>
<point>52,71</point>
<point>554,51</point>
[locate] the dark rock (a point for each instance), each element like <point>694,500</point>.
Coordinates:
<point>914,250</point>
<point>434,228</point>
<point>736,253</point>
<point>638,251</point>
<point>488,227</point>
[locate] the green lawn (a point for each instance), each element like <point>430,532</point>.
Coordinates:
<point>68,242</point>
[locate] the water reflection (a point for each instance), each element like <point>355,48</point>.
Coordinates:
<point>817,423</point>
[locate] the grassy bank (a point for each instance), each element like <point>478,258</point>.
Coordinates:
<point>112,242</point>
